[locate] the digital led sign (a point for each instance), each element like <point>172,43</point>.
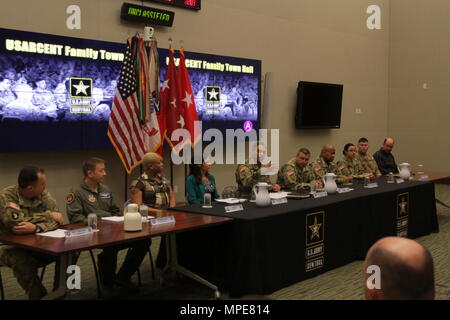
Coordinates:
<point>147,15</point>
<point>188,4</point>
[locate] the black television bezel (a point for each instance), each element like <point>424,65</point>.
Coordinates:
<point>299,110</point>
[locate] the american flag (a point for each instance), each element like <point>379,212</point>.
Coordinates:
<point>125,130</point>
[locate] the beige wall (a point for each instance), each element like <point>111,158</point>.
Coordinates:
<point>419,53</point>
<point>313,40</point>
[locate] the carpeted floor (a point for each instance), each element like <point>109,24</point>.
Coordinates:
<point>343,283</point>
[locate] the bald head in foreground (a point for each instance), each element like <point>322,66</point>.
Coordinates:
<point>406,270</point>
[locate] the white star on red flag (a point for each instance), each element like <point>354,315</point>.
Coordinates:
<point>181,121</point>
<point>188,99</point>
<point>174,102</point>
<point>165,85</point>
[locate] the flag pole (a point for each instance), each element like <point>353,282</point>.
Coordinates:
<point>185,177</point>
<point>171,172</point>
<point>125,185</point>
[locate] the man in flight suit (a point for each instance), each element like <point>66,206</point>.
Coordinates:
<point>92,196</point>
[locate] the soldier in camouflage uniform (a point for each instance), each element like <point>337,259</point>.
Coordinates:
<point>349,165</point>
<point>92,196</point>
<point>26,209</point>
<point>152,189</point>
<point>44,99</point>
<point>22,108</point>
<point>297,174</point>
<point>6,95</point>
<point>324,164</point>
<point>368,162</point>
<point>247,175</point>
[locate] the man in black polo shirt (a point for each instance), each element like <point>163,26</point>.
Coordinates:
<point>384,158</point>
<point>92,196</point>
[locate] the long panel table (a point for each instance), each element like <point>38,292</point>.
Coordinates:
<point>112,233</point>
<point>436,177</point>
<point>266,249</point>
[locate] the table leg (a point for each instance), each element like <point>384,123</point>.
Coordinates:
<point>172,264</point>
<point>63,262</point>
<point>442,203</point>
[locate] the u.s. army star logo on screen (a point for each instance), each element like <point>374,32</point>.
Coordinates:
<point>81,100</point>
<point>212,94</point>
<point>315,227</point>
<point>80,87</point>
<point>403,205</point>
<point>212,100</point>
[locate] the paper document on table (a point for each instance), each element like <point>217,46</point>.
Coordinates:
<point>58,233</point>
<point>113,219</point>
<point>120,219</point>
<point>278,195</point>
<point>231,200</point>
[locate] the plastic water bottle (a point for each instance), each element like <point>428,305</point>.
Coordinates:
<point>207,200</point>
<point>143,210</point>
<point>92,221</point>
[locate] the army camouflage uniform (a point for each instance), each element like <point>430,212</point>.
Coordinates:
<point>80,202</point>
<point>369,164</point>
<point>247,175</point>
<point>349,168</point>
<point>14,209</point>
<point>320,167</point>
<point>155,193</point>
<point>292,177</point>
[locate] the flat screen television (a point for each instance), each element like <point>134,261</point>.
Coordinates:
<point>56,92</point>
<point>318,105</point>
<point>236,82</point>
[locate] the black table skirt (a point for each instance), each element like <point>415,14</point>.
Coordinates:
<point>267,249</point>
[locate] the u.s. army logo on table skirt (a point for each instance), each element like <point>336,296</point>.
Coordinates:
<point>315,227</point>
<point>315,241</point>
<point>402,214</point>
<point>402,205</point>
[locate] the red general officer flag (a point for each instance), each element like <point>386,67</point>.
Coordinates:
<point>170,115</point>
<point>187,102</point>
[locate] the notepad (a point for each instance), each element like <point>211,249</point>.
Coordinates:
<point>58,233</point>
